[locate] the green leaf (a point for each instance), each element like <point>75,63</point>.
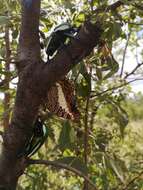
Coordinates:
<point>123,120</point>
<point>2,51</point>
<point>112,164</point>
<point>113,31</point>
<point>121,116</point>
<point>98,73</point>
<point>4,20</point>
<point>66,136</point>
<point>80,18</point>
<point>98,157</point>
<point>117,30</point>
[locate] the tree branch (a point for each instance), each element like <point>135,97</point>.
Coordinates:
<point>116,87</point>
<point>62,166</point>
<point>133,71</point>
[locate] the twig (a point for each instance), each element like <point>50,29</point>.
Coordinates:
<point>124,54</point>
<point>133,71</point>
<point>133,180</point>
<point>62,166</point>
<point>25,173</point>
<point>86,134</point>
<point>115,87</point>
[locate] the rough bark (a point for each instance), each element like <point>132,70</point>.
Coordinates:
<point>35,78</point>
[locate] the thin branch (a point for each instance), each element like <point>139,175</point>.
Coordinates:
<point>133,71</point>
<point>133,180</point>
<point>62,166</point>
<point>124,54</point>
<point>86,134</point>
<point>30,176</point>
<point>115,87</point>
